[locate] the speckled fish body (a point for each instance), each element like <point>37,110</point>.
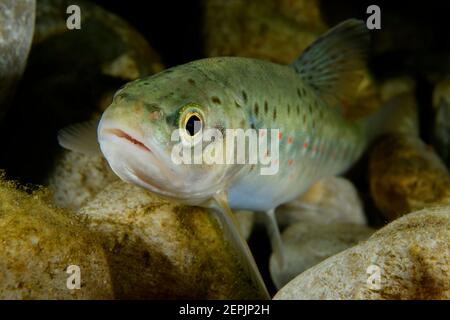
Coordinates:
<point>315,140</point>
<point>301,100</point>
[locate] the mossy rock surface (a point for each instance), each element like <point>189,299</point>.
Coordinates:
<point>39,242</point>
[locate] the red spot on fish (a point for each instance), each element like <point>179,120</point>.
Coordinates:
<point>305,145</point>
<point>280,136</point>
<point>290,139</point>
<point>290,162</point>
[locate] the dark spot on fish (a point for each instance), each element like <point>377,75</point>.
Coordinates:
<point>304,119</point>
<point>263,28</point>
<point>310,108</point>
<point>266,107</point>
<point>298,109</point>
<point>124,95</point>
<point>275,114</point>
<point>244,96</point>
<point>289,109</point>
<point>256,108</point>
<point>221,129</point>
<point>299,93</point>
<point>215,99</point>
<point>237,104</point>
<point>151,106</point>
<point>172,119</point>
<point>191,81</point>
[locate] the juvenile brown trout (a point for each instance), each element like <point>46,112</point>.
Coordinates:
<point>302,101</point>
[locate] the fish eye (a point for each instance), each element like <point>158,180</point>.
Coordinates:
<point>192,123</point>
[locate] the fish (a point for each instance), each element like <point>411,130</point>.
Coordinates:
<point>304,103</point>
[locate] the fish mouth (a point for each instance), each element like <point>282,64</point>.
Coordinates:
<point>123,135</point>
<point>152,155</point>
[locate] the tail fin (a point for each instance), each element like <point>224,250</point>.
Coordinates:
<point>334,64</point>
<point>398,115</point>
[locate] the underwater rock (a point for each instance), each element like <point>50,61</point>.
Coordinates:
<point>406,175</point>
<point>104,42</point>
<point>330,200</point>
<point>39,243</point>
<point>307,244</point>
<point>159,249</point>
<point>16,33</point>
<point>272,30</point>
<point>441,128</point>
<point>71,77</point>
<point>407,259</point>
<point>77,178</point>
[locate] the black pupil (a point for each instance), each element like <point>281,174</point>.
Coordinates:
<point>193,125</point>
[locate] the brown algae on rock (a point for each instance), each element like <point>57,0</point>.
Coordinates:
<point>406,175</point>
<point>158,249</point>
<point>39,242</point>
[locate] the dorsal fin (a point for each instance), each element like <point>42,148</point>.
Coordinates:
<point>80,137</point>
<point>334,64</point>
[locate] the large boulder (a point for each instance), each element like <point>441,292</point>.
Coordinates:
<point>407,259</point>
<point>40,245</point>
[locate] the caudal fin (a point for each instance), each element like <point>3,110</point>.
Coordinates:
<point>398,115</point>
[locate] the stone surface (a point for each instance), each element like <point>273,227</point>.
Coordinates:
<point>406,175</point>
<point>77,178</point>
<point>441,127</point>
<point>330,200</point>
<point>158,249</point>
<point>71,77</point>
<point>307,244</point>
<point>273,30</point>
<point>411,254</point>
<point>16,33</point>
<point>39,243</point>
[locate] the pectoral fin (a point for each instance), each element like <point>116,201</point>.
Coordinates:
<point>80,137</point>
<point>232,233</point>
